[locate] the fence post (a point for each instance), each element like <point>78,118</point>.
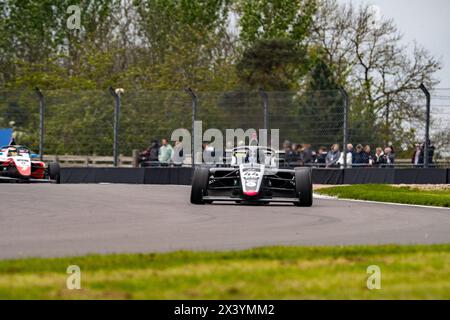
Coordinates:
<point>387,114</point>
<point>116,125</point>
<point>135,162</point>
<point>194,116</point>
<point>265,98</point>
<point>345,127</point>
<point>41,122</point>
<point>427,126</point>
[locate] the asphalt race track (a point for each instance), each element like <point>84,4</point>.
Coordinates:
<point>66,220</point>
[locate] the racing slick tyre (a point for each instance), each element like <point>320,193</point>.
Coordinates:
<point>303,187</point>
<point>54,172</point>
<point>199,185</point>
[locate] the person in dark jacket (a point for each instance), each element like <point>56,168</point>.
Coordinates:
<point>389,156</point>
<point>418,157</point>
<point>378,158</point>
<point>307,154</point>
<point>149,157</point>
<point>367,156</point>
<point>321,157</point>
<point>430,154</point>
<point>392,154</point>
<point>290,155</point>
<point>358,159</point>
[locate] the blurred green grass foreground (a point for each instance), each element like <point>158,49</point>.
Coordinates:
<point>407,272</point>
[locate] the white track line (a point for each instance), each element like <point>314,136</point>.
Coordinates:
<point>324,197</point>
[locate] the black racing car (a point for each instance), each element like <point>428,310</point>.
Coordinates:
<point>252,177</point>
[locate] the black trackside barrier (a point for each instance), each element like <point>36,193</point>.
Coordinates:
<point>183,175</point>
<point>103,175</point>
<point>169,175</point>
<point>369,175</point>
<point>395,176</point>
<point>160,175</point>
<point>421,176</point>
<point>327,176</point>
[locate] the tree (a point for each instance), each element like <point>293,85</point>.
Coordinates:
<point>275,19</point>
<point>321,108</point>
<point>366,55</point>
<point>275,64</point>
<point>40,46</point>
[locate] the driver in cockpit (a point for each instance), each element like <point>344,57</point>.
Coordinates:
<point>254,154</point>
<point>12,153</point>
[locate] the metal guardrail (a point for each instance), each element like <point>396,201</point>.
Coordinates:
<point>90,161</point>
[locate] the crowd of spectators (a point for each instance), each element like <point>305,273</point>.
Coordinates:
<point>359,156</point>
<point>163,154</point>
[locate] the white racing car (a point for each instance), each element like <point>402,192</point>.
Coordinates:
<point>17,165</point>
<point>252,178</point>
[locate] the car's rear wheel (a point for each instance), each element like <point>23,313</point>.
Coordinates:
<point>303,187</point>
<point>199,185</point>
<point>54,172</point>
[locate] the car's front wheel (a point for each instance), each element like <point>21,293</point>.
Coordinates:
<point>54,172</point>
<point>199,185</point>
<point>303,187</point>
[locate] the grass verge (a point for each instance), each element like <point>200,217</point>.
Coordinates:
<point>407,272</point>
<point>387,193</point>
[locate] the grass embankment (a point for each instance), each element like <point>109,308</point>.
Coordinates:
<point>408,272</point>
<point>386,193</point>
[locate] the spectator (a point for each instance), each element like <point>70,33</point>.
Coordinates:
<point>358,159</point>
<point>350,152</point>
<point>349,156</point>
<point>333,156</point>
<point>290,156</point>
<point>389,156</point>
<point>178,154</point>
<point>321,157</point>
<point>378,158</point>
<point>149,157</point>
<point>393,155</point>
<point>350,149</point>
<point>430,153</point>
<point>307,155</point>
<point>165,152</point>
<point>367,156</point>
<point>298,149</point>
<point>208,153</point>
<point>417,157</point>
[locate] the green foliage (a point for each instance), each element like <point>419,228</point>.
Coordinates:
<point>321,108</point>
<point>275,64</point>
<point>276,19</point>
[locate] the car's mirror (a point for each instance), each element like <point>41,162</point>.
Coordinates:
<point>34,156</point>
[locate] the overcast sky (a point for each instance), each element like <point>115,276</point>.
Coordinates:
<point>427,22</point>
